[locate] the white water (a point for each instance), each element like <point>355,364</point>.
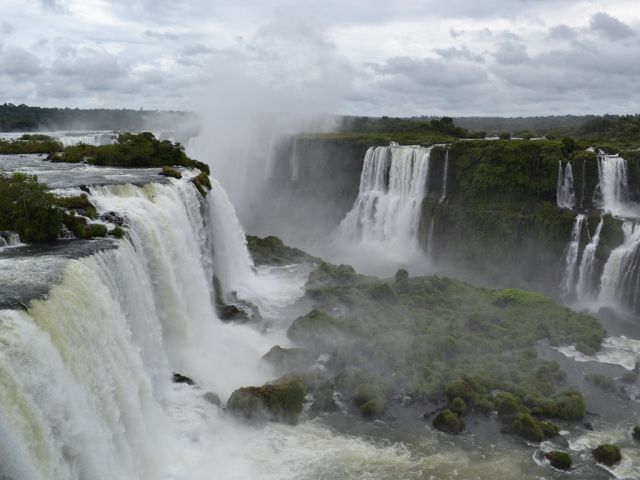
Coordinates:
<point>614,189</point>
<point>620,281</point>
<point>571,255</point>
<point>385,217</point>
<point>295,161</point>
<point>587,265</point>
<point>9,239</point>
<point>566,196</point>
<point>445,174</point>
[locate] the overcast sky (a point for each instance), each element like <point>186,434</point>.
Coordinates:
<point>375,57</point>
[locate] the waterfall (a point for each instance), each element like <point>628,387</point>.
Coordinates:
<point>9,239</point>
<point>584,289</point>
<point>445,173</point>
<point>571,256</point>
<point>393,184</point>
<point>84,375</point>
<point>295,161</point>
<point>566,197</point>
<point>620,281</point>
<point>612,172</point>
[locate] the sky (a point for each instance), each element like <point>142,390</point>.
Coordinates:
<point>358,57</point>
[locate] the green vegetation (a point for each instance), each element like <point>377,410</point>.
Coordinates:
<point>443,341</point>
<point>288,359</point>
<point>272,251</point>
<point>141,150</point>
<point>607,454</point>
<point>28,208</point>
<point>603,382</point>
<point>20,118</point>
<point>30,144</point>
<point>559,460</point>
<point>202,183</point>
<point>281,402</point>
<point>170,172</point>
<point>448,422</point>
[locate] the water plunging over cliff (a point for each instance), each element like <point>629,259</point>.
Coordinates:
<point>613,188</point>
<point>566,197</point>
<point>571,255</point>
<point>445,174</point>
<point>386,214</point>
<point>585,287</point>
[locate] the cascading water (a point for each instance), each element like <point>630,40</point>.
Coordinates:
<point>585,286</point>
<point>385,217</point>
<point>9,239</point>
<point>571,255</point>
<point>295,161</point>
<point>566,197</point>
<point>445,174</point>
<point>620,281</point>
<point>613,187</point>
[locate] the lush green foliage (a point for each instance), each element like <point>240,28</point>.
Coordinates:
<point>448,422</point>
<point>20,118</point>
<point>559,460</point>
<point>607,454</point>
<point>28,208</point>
<point>131,150</point>
<point>30,144</point>
<point>444,341</point>
<point>170,172</point>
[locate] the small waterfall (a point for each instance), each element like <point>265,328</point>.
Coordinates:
<point>586,272</point>
<point>430,238</point>
<point>392,186</point>
<point>614,189</point>
<point>566,197</point>
<point>295,161</point>
<point>571,255</point>
<point>445,174</point>
<point>9,239</point>
<point>620,281</point>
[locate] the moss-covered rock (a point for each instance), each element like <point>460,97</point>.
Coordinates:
<point>316,330</point>
<point>117,232</point>
<point>286,360</point>
<point>171,172</point>
<point>449,422</point>
<point>202,183</point>
<point>271,250</point>
<point>281,402</point>
<point>526,427</point>
<point>94,230</point>
<point>559,460</point>
<point>372,408</point>
<point>607,454</point>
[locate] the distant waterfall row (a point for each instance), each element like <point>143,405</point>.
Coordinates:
<point>614,281</point>
<point>392,186</point>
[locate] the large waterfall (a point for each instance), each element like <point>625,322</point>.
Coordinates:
<point>385,217</point>
<point>585,287</point>
<point>84,375</point>
<point>612,171</point>
<point>566,197</point>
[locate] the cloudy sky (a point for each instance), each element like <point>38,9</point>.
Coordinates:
<point>373,57</point>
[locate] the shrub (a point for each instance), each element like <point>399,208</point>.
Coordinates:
<point>28,208</point>
<point>559,460</point>
<point>202,183</point>
<point>117,232</point>
<point>448,422</point>
<point>95,230</point>
<point>607,454</point>
<point>372,408</point>
<point>170,172</point>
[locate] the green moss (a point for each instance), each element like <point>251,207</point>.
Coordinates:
<point>288,359</point>
<point>272,251</point>
<point>280,402</point>
<point>95,230</point>
<point>202,183</point>
<point>526,427</point>
<point>603,382</point>
<point>373,408</point>
<point>607,454</point>
<point>117,232</point>
<point>170,172</point>
<point>449,422</point>
<point>459,406</point>
<point>559,460</point>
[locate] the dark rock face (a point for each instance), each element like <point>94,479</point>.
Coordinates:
<point>179,378</point>
<point>280,402</point>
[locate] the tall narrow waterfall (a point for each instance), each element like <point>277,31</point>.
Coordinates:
<point>585,287</point>
<point>614,189</point>
<point>295,161</point>
<point>445,174</point>
<point>566,196</point>
<point>620,282</point>
<point>571,255</point>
